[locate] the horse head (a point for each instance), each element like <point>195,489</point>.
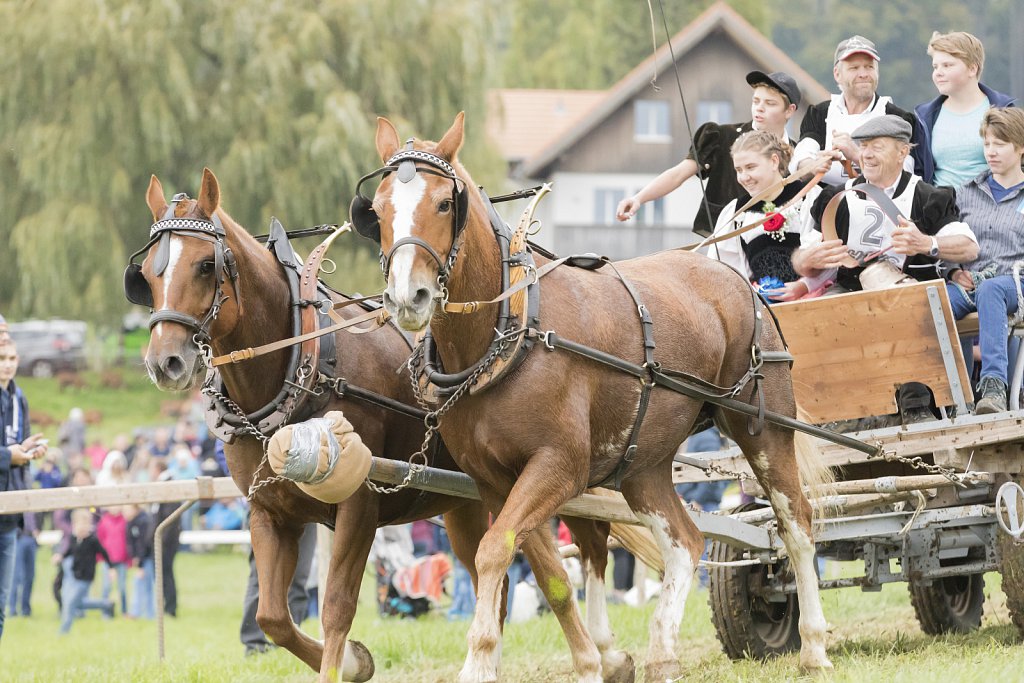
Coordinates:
<point>186,276</point>
<point>417,215</point>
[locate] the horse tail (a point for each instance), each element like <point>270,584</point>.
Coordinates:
<point>818,479</point>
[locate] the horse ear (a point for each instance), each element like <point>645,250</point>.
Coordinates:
<point>452,140</point>
<point>209,193</point>
<point>155,198</point>
<point>387,139</point>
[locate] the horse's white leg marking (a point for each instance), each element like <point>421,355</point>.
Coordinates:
<point>597,622</point>
<point>668,615</point>
<point>405,198</point>
<point>801,556</point>
<point>175,250</point>
<point>482,659</point>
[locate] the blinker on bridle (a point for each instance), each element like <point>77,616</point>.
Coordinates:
<point>137,290</point>
<point>406,164</point>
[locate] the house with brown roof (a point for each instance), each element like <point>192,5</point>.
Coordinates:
<point>606,146</point>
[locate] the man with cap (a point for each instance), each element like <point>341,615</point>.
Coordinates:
<point>775,99</point>
<point>17,448</point>
<point>827,125</point>
<point>928,230</point>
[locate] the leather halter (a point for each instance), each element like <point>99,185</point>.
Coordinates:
<point>210,230</point>
<point>406,164</point>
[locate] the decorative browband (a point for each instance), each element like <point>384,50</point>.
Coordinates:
<point>427,157</point>
<point>193,224</point>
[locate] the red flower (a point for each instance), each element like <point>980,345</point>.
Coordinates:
<point>773,222</point>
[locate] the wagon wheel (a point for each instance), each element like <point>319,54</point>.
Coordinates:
<point>1012,570</point>
<point>746,623</point>
<point>949,605</point>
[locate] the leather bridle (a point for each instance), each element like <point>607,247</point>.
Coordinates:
<point>406,165</point>
<point>211,230</point>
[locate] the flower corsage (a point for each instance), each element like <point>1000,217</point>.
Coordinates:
<point>775,221</point>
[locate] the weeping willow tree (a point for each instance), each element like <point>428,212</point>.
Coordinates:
<point>279,99</point>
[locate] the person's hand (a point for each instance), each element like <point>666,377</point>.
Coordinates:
<point>139,572</point>
<point>627,208</point>
<point>31,448</point>
<point>112,573</point>
<point>791,291</point>
<point>842,142</point>
<point>56,559</point>
<point>963,278</point>
<point>820,163</point>
<point>908,240</point>
<point>827,254</point>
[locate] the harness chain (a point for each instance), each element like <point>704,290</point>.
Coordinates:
<point>249,427</point>
<point>418,460</point>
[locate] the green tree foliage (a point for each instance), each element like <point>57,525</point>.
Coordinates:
<point>279,99</point>
<point>591,44</point>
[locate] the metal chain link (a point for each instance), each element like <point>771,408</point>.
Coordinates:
<point>418,460</point>
<point>917,463</point>
<point>247,426</point>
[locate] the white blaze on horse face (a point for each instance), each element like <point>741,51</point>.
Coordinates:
<point>176,246</point>
<point>405,199</point>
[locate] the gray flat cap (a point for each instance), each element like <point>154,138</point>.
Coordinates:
<point>888,126</point>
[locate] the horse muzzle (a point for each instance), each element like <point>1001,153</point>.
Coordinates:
<point>176,370</point>
<point>411,307</point>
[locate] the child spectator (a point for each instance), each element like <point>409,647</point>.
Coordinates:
<point>115,470</point>
<point>140,549</point>
<point>49,475</point>
<point>226,513</point>
<point>80,569</point>
<point>112,532</point>
<point>96,454</point>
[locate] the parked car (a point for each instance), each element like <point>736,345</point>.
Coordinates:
<point>49,346</point>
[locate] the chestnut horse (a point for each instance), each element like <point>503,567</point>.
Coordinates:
<point>561,420</point>
<point>256,310</point>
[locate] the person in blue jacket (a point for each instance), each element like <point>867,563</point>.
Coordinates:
<point>950,152</point>
<point>17,448</point>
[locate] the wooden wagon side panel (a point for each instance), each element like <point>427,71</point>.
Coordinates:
<point>853,350</point>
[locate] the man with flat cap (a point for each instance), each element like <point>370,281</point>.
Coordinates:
<point>827,125</point>
<point>775,99</point>
<point>926,231</point>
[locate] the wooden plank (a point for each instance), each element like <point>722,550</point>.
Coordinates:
<point>853,350</point>
<point>71,497</point>
<point>995,441</point>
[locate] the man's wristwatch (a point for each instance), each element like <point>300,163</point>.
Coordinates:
<point>934,251</point>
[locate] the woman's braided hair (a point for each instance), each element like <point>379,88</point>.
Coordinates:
<point>766,144</point>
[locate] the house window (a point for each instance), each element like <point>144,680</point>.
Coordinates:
<point>605,203</point>
<point>650,121</point>
<point>719,111</point>
<point>652,213</point>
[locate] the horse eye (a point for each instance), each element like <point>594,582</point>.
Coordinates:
<point>445,206</point>
<point>206,267</point>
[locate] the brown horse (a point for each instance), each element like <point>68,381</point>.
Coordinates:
<point>562,421</point>
<point>256,312</point>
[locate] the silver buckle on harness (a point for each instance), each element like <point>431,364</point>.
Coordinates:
<point>546,338</point>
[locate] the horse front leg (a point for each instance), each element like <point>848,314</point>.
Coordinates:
<point>276,551</point>
<point>532,501</point>
<point>355,524</point>
<point>592,539</point>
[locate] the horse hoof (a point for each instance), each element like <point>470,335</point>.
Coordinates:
<point>358,664</point>
<point>816,666</point>
<point>659,672</point>
<point>622,671</point>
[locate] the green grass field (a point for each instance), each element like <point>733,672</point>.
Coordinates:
<point>873,637</point>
